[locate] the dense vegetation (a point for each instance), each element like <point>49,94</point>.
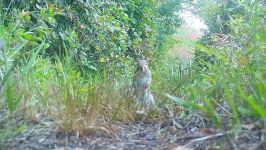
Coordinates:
<point>229,75</point>
<point>73,62</point>
<point>96,35</point>
<point>75,59</point>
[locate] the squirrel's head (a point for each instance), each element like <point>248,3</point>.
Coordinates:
<point>143,65</point>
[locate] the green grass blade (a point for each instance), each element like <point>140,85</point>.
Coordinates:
<point>10,95</point>
<point>232,103</point>
<point>252,103</point>
<point>31,62</point>
<point>184,103</point>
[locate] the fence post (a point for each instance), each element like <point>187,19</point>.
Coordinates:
<point>189,69</point>
<point>180,70</point>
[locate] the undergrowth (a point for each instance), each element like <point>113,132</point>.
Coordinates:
<point>230,72</point>
<point>39,88</point>
<point>73,61</point>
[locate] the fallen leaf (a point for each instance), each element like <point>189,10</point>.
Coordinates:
<point>249,126</point>
<point>181,148</point>
<point>208,130</point>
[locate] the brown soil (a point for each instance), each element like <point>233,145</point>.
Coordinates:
<point>194,132</point>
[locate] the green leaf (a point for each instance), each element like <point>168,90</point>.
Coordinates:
<point>93,67</point>
<point>232,103</point>
<point>10,95</point>
<point>31,62</point>
<point>184,103</point>
<point>252,103</point>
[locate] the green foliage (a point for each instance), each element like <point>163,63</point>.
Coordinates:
<point>232,79</point>
<point>74,59</point>
<point>167,21</point>
<point>100,39</point>
<point>217,14</point>
<point>97,34</point>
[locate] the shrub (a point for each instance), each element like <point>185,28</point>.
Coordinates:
<point>233,82</point>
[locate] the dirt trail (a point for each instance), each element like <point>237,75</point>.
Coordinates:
<point>187,36</point>
<point>131,136</point>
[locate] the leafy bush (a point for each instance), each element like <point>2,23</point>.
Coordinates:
<point>233,82</point>
<point>97,34</point>
<point>217,14</point>
<point>167,21</point>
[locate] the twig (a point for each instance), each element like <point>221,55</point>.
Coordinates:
<point>189,122</point>
<point>201,119</point>
<point>135,133</point>
<point>223,108</point>
<point>210,136</point>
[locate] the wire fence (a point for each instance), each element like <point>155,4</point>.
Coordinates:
<point>185,69</point>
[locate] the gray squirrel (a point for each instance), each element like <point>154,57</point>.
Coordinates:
<point>141,84</point>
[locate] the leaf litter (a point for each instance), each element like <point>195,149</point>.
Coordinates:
<point>147,135</point>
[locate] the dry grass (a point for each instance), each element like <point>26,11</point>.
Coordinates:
<point>83,108</point>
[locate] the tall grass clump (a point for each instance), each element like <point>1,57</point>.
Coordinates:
<point>56,89</point>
